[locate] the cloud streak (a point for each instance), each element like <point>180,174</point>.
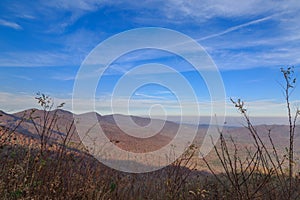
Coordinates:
<point>147,96</point>
<point>234,28</point>
<point>10,24</point>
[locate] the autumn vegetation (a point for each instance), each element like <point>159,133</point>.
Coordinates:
<point>41,168</point>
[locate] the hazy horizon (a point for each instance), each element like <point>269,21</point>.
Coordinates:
<point>237,121</point>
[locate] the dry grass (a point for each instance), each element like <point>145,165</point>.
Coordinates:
<point>26,174</point>
<point>62,173</point>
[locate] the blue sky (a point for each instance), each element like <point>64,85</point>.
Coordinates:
<point>43,44</point>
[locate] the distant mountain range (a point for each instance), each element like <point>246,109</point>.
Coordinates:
<point>124,140</point>
<point>141,136</point>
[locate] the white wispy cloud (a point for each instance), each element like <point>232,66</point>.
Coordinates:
<point>227,59</point>
<point>10,24</point>
<point>23,77</point>
<point>64,77</point>
<point>205,10</point>
<point>163,92</point>
<point>234,28</point>
<point>148,96</point>
<point>73,49</point>
<point>76,45</point>
<point>37,59</point>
